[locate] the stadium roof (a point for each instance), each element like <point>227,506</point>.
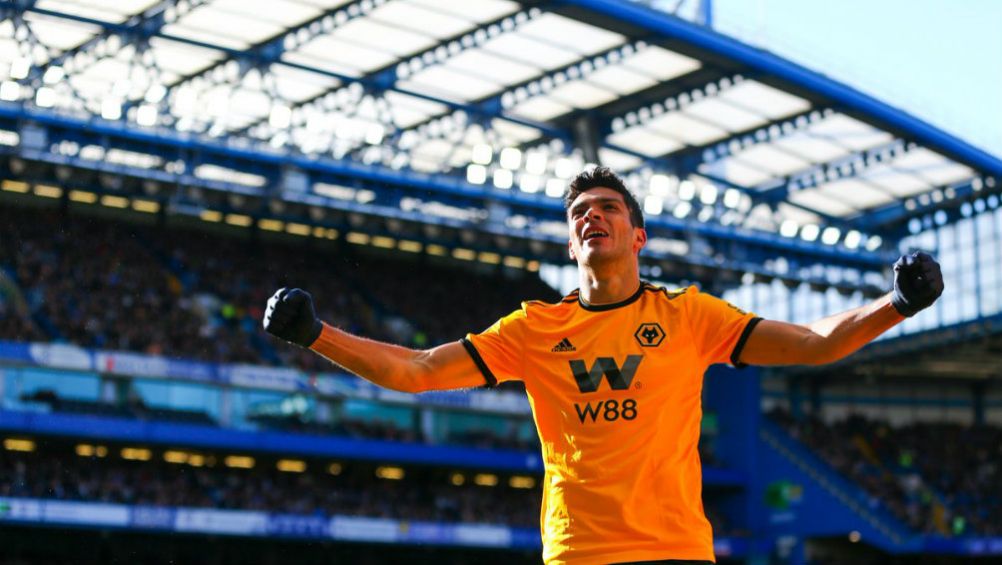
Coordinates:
<point>491,105</point>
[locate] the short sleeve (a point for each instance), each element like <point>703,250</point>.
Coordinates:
<point>497,351</point>
<point>719,328</point>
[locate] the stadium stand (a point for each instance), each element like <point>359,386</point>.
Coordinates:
<point>199,295</point>
<point>938,478</point>
<point>423,494</point>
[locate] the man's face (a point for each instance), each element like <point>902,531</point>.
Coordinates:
<point>600,229</point>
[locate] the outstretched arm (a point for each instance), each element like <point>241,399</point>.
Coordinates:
<point>290,315</point>
<point>918,282</point>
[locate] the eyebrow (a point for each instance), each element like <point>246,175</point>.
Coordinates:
<point>578,207</point>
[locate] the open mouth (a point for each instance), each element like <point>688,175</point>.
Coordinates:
<point>593,234</point>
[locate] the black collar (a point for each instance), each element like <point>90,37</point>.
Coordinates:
<point>603,307</point>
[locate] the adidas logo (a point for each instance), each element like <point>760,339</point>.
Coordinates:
<point>564,345</point>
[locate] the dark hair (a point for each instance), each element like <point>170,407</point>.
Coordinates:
<point>604,177</point>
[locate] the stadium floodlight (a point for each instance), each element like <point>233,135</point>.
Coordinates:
<point>535,162</point>
<point>555,187</point>
<point>708,194</point>
<point>732,198</point>
<point>659,185</point>
<point>529,183</point>
<point>121,87</point>
<point>686,190</point>
<point>20,68</point>
<point>564,168</point>
<point>788,228</point>
<point>705,214</point>
<point>482,154</point>
<point>146,115</point>
<point>53,74</point>
<point>485,479</point>
<point>810,232</point>
<point>511,158</point>
<point>111,109</point>
<point>45,97</point>
<point>156,93</point>
<point>503,178</point>
<point>280,116</point>
<point>830,235</point>
<point>852,239</point>
<point>374,134</point>
<point>682,209</point>
<point>653,204</point>
<point>476,174</point>
<point>10,91</point>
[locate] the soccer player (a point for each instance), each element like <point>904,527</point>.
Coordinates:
<point>614,375</point>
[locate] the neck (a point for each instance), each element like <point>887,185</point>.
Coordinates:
<point>608,284</point>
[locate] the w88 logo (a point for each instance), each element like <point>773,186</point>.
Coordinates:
<point>609,410</point>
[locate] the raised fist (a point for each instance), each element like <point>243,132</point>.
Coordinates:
<point>290,316</point>
<point>918,282</point>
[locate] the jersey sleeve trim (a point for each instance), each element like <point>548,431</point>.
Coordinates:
<point>736,354</point>
<point>479,361</point>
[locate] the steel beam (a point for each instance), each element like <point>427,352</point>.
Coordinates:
<point>271,164</point>
<point>262,59</point>
<point>762,62</point>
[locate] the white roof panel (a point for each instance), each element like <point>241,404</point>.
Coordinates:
<point>104,10</point>
<point>932,167</point>
<point>476,10</point>
<point>242,25</point>
<point>815,200</point>
<point>855,193</point>
<point>618,161</point>
<point>581,94</point>
<point>334,54</point>
<point>209,36</point>
<point>530,51</point>
<point>540,108</point>
<point>724,115</point>
<point>895,181</point>
<point>737,172</point>
<point>297,85</point>
<point>769,158</point>
<point>60,34</point>
<point>689,130</point>
<point>415,17</point>
<point>765,100</point>
<point>433,149</point>
<point>661,64</point>
<point>813,147</point>
<point>284,13</point>
<point>799,215</point>
<point>621,79</point>
<point>849,132</point>
<point>409,110</point>
<point>450,83</point>
<point>514,134</point>
<point>181,58</point>
<point>644,141</point>
<point>373,35</point>
<point>499,69</point>
<point>571,34</point>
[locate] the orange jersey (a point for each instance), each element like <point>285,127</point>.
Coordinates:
<point>615,393</point>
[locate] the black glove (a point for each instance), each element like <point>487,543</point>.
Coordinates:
<point>290,316</point>
<point>918,282</point>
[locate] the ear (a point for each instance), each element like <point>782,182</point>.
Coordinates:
<point>639,239</point>
<point>570,251</point>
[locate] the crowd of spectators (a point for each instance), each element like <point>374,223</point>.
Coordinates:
<point>197,294</point>
<point>939,478</point>
<point>422,494</point>
<point>93,283</point>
